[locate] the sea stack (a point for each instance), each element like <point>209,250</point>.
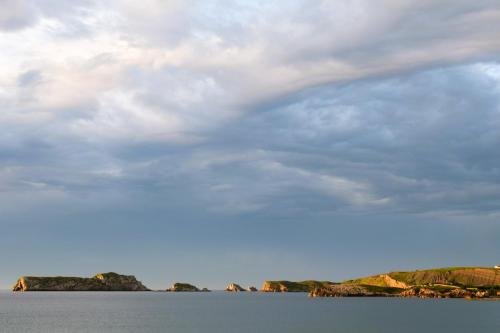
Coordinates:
<point>100,282</point>
<point>233,287</point>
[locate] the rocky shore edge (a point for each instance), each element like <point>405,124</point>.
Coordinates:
<point>352,290</point>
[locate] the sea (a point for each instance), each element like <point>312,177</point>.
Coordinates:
<point>220,312</point>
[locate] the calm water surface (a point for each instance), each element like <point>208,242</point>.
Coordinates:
<point>245,312</point>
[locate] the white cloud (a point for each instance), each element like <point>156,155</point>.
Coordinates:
<point>351,192</point>
<point>277,49</point>
<point>121,117</point>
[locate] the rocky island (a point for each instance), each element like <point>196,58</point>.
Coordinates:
<point>100,282</point>
<point>452,282</point>
<point>185,287</point>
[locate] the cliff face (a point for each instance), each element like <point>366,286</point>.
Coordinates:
<point>382,280</point>
<point>100,282</point>
<point>117,282</point>
<point>345,290</point>
<point>273,287</point>
<point>233,287</point>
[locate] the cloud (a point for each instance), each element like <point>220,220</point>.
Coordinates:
<point>232,48</point>
<point>160,128</point>
<point>22,14</point>
<point>255,107</point>
<point>421,142</point>
<point>16,14</point>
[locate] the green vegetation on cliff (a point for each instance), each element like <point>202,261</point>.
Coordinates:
<point>382,290</point>
<point>290,286</point>
<point>465,277</point>
<point>458,276</point>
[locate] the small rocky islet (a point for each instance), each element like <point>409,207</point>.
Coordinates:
<point>185,287</point>
<point>453,282</point>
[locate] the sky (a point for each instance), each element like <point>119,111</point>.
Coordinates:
<point>237,141</point>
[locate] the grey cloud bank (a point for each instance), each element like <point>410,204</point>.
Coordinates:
<point>207,120</point>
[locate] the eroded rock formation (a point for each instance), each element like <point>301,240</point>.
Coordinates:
<point>345,290</point>
<point>353,290</point>
<point>233,287</point>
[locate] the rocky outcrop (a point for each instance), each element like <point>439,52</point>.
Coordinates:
<point>100,282</point>
<point>346,290</point>
<point>427,292</point>
<point>252,288</point>
<point>356,290</point>
<point>421,293</point>
<point>233,287</point>
<point>183,287</point>
<point>275,286</point>
<point>392,283</point>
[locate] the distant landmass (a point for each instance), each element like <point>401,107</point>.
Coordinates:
<point>457,282</point>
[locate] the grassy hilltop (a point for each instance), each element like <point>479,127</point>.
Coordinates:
<point>449,282</point>
<point>466,277</point>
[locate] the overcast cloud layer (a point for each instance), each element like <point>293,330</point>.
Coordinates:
<point>156,130</point>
